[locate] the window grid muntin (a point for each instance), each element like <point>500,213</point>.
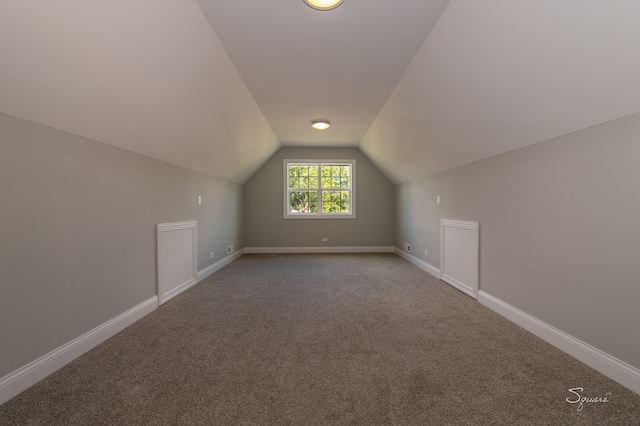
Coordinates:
<point>304,178</point>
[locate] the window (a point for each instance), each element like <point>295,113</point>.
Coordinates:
<point>319,189</point>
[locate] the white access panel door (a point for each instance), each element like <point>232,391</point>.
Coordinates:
<point>177,258</point>
<point>459,255</point>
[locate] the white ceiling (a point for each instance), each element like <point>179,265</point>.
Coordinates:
<point>301,64</point>
<point>419,85</point>
<point>497,75</point>
<point>149,76</point>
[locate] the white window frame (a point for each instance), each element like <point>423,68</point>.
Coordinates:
<point>319,214</point>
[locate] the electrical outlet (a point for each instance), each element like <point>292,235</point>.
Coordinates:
<point>325,239</point>
<point>211,255</point>
<point>407,247</point>
<point>230,249</point>
<point>426,253</point>
<point>199,199</point>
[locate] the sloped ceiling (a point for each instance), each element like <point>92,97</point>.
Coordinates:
<point>149,76</point>
<point>419,85</point>
<point>497,75</point>
<point>301,64</point>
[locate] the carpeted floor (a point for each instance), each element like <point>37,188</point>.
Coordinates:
<point>358,339</point>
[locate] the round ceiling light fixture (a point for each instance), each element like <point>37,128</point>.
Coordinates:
<point>320,124</point>
<point>323,4</point>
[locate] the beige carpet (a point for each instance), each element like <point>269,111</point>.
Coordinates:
<point>362,339</point>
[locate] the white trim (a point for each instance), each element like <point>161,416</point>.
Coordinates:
<point>167,265</point>
<point>427,267</point>
<point>352,189</point>
<point>458,285</point>
<point>606,364</point>
<point>177,291</point>
<point>21,379</point>
<point>313,216</point>
<point>272,250</point>
<point>464,224</point>
<point>465,252</point>
<point>209,270</point>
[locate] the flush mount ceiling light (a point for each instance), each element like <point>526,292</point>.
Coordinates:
<point>320,124</point>
<point>323,4</point>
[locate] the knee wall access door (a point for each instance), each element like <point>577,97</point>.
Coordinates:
<point>177,258</point>
<point>459,255</point>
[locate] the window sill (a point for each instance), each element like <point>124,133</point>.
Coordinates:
<point>319,216</point>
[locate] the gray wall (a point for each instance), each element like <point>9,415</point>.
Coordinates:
<point>264,225</point>
<point>78,232</point>
<point>559,232</point>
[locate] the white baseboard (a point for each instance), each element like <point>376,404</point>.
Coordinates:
<point>209,270</point>
<point>283,250</point>
<point>459,286</point>
<point>202,274</point>
<point>21,379</point>
<point>419,263</point>
<point>164,298</point>
<point>606,364</point>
